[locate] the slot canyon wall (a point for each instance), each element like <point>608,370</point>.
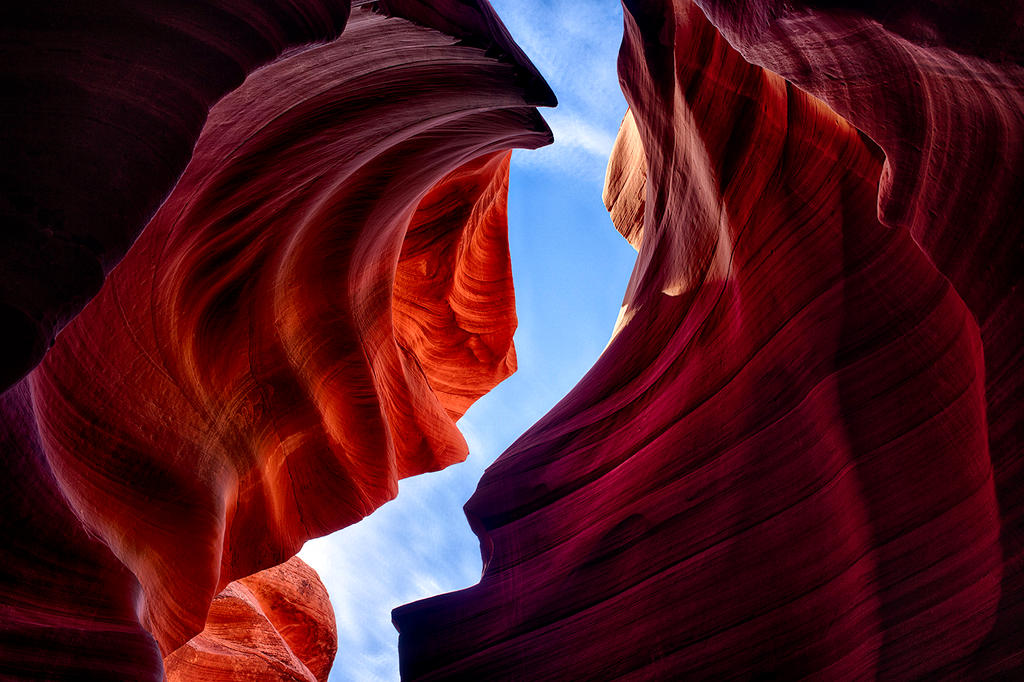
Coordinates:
<point>324,292</point>
<point>800,454</point>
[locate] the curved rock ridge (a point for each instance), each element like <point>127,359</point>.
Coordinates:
<point>475,23</point>
<point>780,464</point>
<point>453,303</point>
<point>104,102</point>
<point>277,624</point>
<point>324,293</point>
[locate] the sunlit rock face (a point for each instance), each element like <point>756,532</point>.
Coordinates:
<point>104,102</point>
<point>275,625</point>
<point>781,464</point>
<point>324,292</point>
<point>625,186</point>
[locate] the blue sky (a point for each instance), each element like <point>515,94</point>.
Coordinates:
<point>570,268</point>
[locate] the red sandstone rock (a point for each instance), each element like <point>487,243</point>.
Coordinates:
<point>475,23</point>
<point>940,87</point>
<point>103,102</point>
<point>275,625</point>
<point>780,465</point>
<point>324,292</point>
<point>453,299</point>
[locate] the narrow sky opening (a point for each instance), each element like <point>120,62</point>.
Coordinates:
<point>570,268</point>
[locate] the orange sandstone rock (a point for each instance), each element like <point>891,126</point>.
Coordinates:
<point>277,624</point>
<point>625,186</point>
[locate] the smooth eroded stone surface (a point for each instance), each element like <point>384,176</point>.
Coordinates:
<point>780,465</point>
<point>625,183</point>
<point>272,626</point>
<point>453,301</point>
<point>326,290</point>
<point>103,104</point>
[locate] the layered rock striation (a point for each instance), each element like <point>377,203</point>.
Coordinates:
<point>940,87</point>
<point>799,456</point>
<point>277,624</point>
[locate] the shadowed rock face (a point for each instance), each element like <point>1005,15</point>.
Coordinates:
<point>781,464</point>
<point>277,624</point>
<point>104,102</point>
<point>940,87</point>
<point>67,605</point>
<point>324,292</point>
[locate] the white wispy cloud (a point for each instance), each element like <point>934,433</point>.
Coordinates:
<point>580,151</point>
<point>575,45</point>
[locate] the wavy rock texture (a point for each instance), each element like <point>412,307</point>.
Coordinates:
<point>277,624</point>
<point>104,102</point>
<point>324,292</point>
<point>780,465</point>
<point>273,371</point>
